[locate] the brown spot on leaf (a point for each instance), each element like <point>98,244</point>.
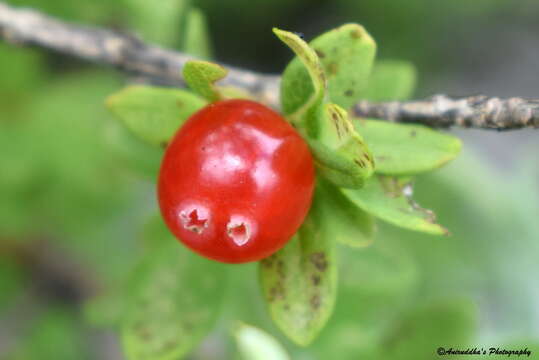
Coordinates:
<point>367,157</point>
<point>267,262</point>
<point>360,163</point>
<point>169,345</point>
<point>349,92</point>
<point>316,280</point>
<point>318,259</point>
<point>277,292</point>
<point>337,123</point>
<point>332,68</point>
<point>164,144</point>
<point>355,34</point>
<point>280,268</point>
<point>188,326</point>
<point>320,53</point>
<point>315,301</point>
<point>143,332</point>
<point>322,75</point>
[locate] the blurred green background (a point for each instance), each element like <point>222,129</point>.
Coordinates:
<point>75,204</point>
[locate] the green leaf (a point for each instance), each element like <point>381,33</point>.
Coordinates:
<point>402,149</point>
<point>346,222</point>
<point>339,151</point>
<point>201,76</point>
<point>389,199</point>
<point>299,281</point>
<point>304,85</point>
<point>153,114</point>
<point>346,54</point>
<point>196,40</point>
<point>174,301</point>
<point>391,80</point>
<point>335,168</point>
<point>341,154</point>
<point>255,344</point>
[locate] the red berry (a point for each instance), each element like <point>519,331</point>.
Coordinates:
<point>236,182</point>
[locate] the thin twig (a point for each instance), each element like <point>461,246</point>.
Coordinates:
<point>128,53</point>
<point>123,51</point>
<point>481,112</point>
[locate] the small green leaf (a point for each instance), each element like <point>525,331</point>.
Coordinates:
<point>196,40</point>
<point>391,80</point>
<point>335,168</point>
<point>402,149</point>
<point>309,83</point>
<point>255,344</point>
<point>340,154</point>
<point>174,301</point>
<point>153,114</point>
<point>346,222</point>
<point>299,281</point>
<point>346,54</point>
<point>201,76</point>
<point>339,151</point>
<point>389,199</point>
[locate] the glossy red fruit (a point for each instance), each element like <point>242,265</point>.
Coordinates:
<point>236,182</point>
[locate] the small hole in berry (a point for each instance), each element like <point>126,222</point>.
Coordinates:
<point>238,232</point>
<point>194,221</point>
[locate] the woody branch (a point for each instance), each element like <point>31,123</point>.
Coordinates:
<point>163,66</point>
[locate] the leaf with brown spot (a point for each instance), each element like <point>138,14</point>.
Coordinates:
<point>307,280</point>
<point>390,199</point>
<point>341,155</point>
<point>311,83</point>
<point>405,149</point>
<point>349,55</point>
<point>173,302</point>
